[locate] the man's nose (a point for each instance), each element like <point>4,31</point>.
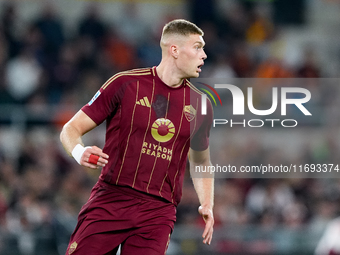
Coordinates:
<point>204,56</point>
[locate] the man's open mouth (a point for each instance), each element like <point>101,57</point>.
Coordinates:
<point>199,67</point>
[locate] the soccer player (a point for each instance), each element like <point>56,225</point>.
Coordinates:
<point>153,120</point>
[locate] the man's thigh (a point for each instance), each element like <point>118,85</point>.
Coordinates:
<point>150,240</point>
<point>112,215</point>
<point>98,244</point>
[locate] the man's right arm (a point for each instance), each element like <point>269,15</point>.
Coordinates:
<point>71,135</point>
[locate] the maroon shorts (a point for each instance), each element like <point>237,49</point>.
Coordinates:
<point>116,215</point>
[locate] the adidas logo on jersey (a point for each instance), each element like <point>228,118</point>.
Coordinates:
<point>144,102</point>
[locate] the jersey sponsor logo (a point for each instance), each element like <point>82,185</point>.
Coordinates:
<point>144,102</point>
<point>95,97</point>
<point>72,248</point>
<point>189,112</point>
<point>162,130</point>
<point>157,151</point>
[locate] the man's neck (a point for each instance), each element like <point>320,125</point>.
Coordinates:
<point>168,75</point>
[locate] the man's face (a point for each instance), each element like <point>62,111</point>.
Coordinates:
<point>191,56</point>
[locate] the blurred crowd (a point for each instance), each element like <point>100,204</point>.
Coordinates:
<point>42,64</point>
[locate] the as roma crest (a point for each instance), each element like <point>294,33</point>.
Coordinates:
<point>189,112</point>
<point>72,248</point>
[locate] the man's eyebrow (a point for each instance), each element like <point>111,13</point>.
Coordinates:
<point>199,42</point>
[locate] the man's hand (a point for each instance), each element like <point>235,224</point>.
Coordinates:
<point>208,217</point>
<point>98,158</point>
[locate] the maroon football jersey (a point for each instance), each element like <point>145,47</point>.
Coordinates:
<point>149,129</point>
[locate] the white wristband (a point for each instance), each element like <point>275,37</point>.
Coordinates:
<point>78,151</point>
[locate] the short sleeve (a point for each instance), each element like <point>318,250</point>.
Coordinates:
<point>106,101</point>
<point>200,141</point>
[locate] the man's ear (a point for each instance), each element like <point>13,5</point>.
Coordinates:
<point>174,50</point>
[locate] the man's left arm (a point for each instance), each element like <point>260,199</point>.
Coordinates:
<point>204,186</point>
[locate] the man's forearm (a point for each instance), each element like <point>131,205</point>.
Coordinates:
<point>205,190</point>
<point>70,137</point>
<point>204,186</point>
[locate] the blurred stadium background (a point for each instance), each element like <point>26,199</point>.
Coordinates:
<point>54,55</point>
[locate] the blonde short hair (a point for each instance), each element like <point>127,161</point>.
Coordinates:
<point>180,27</point>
